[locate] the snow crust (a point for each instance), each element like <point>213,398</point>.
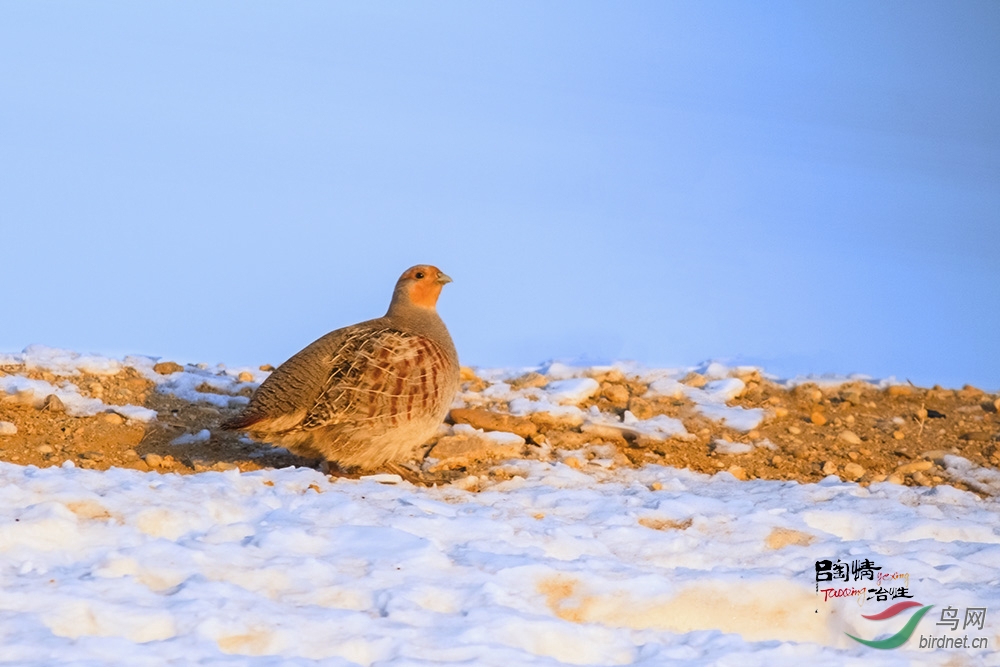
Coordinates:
<point>554,566</point>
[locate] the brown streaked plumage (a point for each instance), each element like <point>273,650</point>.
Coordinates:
<point>366,395</point>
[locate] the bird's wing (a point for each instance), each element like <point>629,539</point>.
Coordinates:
<point>379,379</point>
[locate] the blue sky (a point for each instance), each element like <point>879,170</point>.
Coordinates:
<point>814,187</point>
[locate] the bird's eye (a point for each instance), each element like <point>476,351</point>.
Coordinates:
<point>419,275</point>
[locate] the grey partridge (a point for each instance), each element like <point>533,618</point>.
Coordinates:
<point>365,396</point>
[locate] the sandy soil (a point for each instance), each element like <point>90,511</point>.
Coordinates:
<point>855,431</point>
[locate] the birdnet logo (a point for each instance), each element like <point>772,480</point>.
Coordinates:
<point>975,617</point>
<point>900,638</point>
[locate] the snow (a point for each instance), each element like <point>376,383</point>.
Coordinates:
<point>546,564</point>
<point>554,566</point>
<point>34,392</point>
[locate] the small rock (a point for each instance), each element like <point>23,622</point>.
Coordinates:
<point>53,403</point>
<point>850,437</point>
<point>113,418</point>
<point>92,456</point>
<point>934,414</point>
<point>921,479</point>
<point>616,394</point>
<point>738,472</point>
<point>852,396</point>
<point>153,460</point>
<point>532,380</point>
<point>969,392</point>
<point>488,420</point>
<point>794,430</point>
<point>913,466</point>
<point>976,436</point>
<point>44,449</point>
<point>780,413</point>
<point>829,468</point>
<point>245,376</point>
<point>268,368</point>
<point>640,407</point>
<point>854,456</point>
<point>898,435</point>
<point>167,367</point>
<point>546,421</point>
<point>130,454</point>
<point>817,418</point>
<point>937,455</point>
<point>776,460</point>
<point>7,428</point>
<point>462,449</point>
<point>696,380</point>
<point>898,390</point>
<point>895,478</point>
<point>853,472</point>
<point>849,419</point>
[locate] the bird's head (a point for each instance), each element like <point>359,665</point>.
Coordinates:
<point>420,285</point>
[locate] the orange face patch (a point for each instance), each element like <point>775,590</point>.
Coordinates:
<point>425,292</point>
<point>426,286</point>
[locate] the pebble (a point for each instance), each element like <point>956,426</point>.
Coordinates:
<point>92,456</point>
<point>852,396</point>
<point>113,418</point>
<point>776,460</point>
<point>267,368</point>
<point>245,376</point>
<point>616,394</point>
<point>850,437</point>
<point>455,450</point>
<point>829,468</point>
<point>854,456</point>
<point>640,407</point>
<point>532,380</point>
<point>898,390</point>
<point>738,472</point>
<point>167,367</point>
<point>494,421</point>
<point>976,436</point>
<point>7,428</point>
<point>898,435</point>
<point>780,413</point>
<point>895,478</point>
<point>817,418</point>
<point>44,449</point>
<point>794,430</point>
<point>153,460</point>
<point>920,478</point>
<point>53,403</point>
<point>969,392</point>
<point>913,467</point>
<point>853,472</point>
<point>696,380</point>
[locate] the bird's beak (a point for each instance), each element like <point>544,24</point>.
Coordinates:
<point>444,278</point>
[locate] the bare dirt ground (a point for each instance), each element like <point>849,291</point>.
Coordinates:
<point>855,431</point>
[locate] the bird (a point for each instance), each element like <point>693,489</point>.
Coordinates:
<point>364,397</point>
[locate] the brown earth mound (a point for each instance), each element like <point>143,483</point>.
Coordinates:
<point>855,431</point>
